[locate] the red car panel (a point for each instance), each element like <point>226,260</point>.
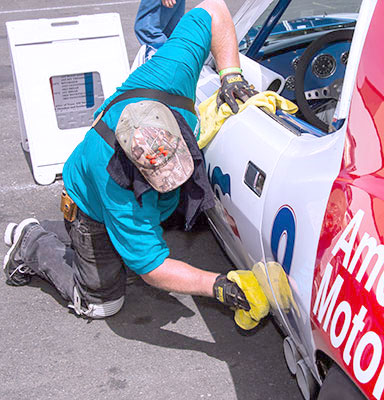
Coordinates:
<point>348,292</point>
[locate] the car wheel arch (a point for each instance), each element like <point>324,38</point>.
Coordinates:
<point>333,379</point>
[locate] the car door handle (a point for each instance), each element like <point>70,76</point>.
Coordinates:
<point>254,178</point>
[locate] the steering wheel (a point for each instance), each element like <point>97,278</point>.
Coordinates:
<point>329,94</point>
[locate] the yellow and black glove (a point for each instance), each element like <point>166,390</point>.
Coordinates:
<point>229,293</point>
<point>234,86</point>
<point>241,291</point>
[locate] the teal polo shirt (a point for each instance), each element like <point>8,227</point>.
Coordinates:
<point>135,230</point>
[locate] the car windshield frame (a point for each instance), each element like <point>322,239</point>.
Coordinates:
<point>264,33</point>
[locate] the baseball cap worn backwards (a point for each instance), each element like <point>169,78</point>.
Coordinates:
<point>151,138</point>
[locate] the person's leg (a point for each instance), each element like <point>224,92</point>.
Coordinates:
<point>99,273</point>
<point>41,252</point>
<point>171,16</point>
<point>148,28</point>
<point>91,275</point>
<point>58,228</point>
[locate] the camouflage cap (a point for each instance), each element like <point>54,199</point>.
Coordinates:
<point>151,138</point>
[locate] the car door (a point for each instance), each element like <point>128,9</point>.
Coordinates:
<point>273,182</point>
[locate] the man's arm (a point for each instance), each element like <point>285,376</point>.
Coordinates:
<point>226,53</point>
<point>224,42</point>
<point>178,276</point>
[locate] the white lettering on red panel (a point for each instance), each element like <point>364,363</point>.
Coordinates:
<point>331,316</point>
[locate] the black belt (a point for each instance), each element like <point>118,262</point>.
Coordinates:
<point>173,100</point>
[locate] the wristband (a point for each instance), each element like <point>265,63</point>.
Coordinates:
<point>230,70</point>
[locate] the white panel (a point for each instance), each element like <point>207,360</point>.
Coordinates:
<point>45,48</point>
<point>250,136</point>
<point>303,180</point>
<point>260,76</point>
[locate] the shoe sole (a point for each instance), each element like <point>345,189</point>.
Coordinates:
<point>8,234</point>
<point>17,239</point>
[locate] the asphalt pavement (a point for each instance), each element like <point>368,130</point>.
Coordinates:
<point>159,346</point>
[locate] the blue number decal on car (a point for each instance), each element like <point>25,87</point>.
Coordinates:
<point>284,224</point>
<point>220,179</point>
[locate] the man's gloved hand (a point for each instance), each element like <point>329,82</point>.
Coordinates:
<point>241,291</point>
<point>234,86</point>
<point>229,293</point>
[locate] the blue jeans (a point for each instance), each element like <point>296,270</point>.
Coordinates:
<point>78,253</point>
<point>154,23</point>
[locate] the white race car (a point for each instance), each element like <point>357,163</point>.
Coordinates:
<point>304,193</point>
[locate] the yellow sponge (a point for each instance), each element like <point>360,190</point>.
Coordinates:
<point>257,300</point>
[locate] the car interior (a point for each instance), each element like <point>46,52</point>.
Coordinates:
<point>307,45</point>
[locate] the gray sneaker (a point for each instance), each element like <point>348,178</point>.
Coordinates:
<point>17,273</point>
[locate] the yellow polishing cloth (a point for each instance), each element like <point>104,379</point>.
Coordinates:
<point>282,294</point>
<point>212,119</point>
<point>281,287</point>
<point>257,300</point>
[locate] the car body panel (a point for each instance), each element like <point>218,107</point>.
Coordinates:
<point>290,163</point>
<point>313,186</point>
<point>350,258</point>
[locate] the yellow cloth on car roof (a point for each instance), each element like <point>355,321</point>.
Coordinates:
<point>212,119</point>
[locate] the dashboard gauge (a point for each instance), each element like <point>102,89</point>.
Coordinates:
<point>295,61</point>
<point>344,57</point>
<point>290,83</point>
<point>324,65</point>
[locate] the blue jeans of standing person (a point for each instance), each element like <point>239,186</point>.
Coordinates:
<point>154,22</point>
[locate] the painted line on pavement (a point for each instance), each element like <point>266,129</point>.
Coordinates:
<point>114,3</point>
<point>30,186</point>
<point>323,5</point>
